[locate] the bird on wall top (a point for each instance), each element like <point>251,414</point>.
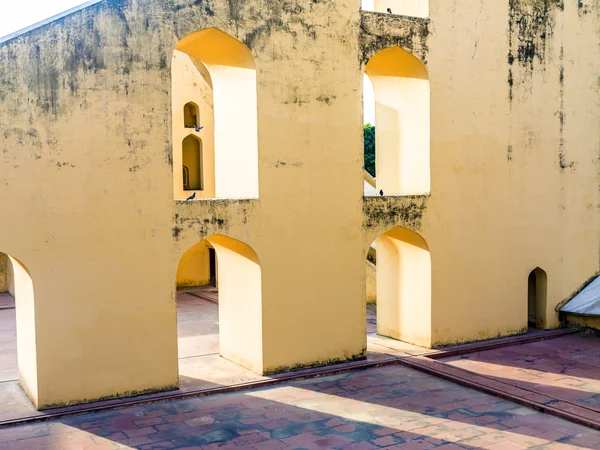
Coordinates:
<point>191,197</point>
<point>381,192</point>
<point>198,129</point>
<point>389,10</point>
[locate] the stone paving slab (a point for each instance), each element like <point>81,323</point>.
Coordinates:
<point>389,407</point>
<point>565,368</point>
<point>202,370</point>
<point>566,410</point>
<point>6,301</point>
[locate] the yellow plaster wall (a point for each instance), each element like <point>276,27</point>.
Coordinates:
<point>88,163</point>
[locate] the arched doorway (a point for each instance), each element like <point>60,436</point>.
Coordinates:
<point>400,90</point>
<point>227,322</point>
<point>214,100</point>
<point>17,326</point>
<point>537,287</point>
<point>399,265</point>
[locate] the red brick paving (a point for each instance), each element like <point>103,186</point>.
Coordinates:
<point>6,301</point>
<point>198,343</point>
<point>387,407</point>
<point>565,368</point>
<point>200,366</point>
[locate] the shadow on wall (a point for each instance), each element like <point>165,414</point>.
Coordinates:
<point>214,101</point>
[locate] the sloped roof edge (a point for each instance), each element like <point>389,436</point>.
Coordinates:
<point>587,302</point>
<point>47,21</point>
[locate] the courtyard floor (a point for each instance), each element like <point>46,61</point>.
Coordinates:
<point>200,366</point>
<point>566,368</point>
<point>356,409</point>
<point>391,407</point>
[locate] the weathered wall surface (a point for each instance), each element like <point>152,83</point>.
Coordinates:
<point>515,144</point>
<point>87,182</point>
<point>588,323</point>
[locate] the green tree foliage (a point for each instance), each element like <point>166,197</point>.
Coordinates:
<point>369,134</point>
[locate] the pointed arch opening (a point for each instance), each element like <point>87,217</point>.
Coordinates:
<point>219,304</point>
<point>537,289</point>
<point>18,360</point>
<point>215,72</point>
<point>412,8</point>
<point>401,96</point>
<point>399,284</point>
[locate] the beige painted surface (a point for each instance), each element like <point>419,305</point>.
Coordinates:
<point>90,133</point>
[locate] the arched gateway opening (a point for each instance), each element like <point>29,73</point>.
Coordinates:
<point>398,84</point>
<point>219,305</point>
<point>214,102</point>
<point>399,287</point>
<point>17,326</point>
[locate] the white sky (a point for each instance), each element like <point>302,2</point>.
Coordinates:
<point>22,13</point>
<point>19,14</point>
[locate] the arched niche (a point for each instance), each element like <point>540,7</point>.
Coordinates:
<point>191,115</point>
<point>537,292</point>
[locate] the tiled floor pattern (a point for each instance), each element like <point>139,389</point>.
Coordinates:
<point>390,407</point>
<point>6,301</point>
<point>200,366</point>
<point>566,368</point>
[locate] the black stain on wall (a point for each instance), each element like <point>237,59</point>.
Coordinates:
<point>388,212</point>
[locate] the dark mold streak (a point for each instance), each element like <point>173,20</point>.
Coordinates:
<point>388,212</point>
<point>380,31</point>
